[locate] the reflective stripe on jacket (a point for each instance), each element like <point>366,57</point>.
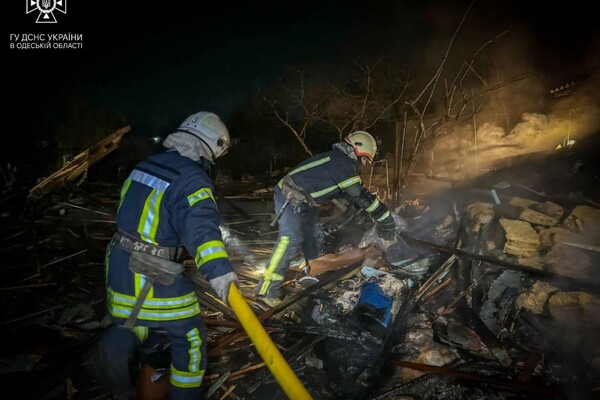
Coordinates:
<point>326,175</point>
<point>167,200</point>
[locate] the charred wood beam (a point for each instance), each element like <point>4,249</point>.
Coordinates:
<point>63,259</point>
<point>34,315</point>
<point>292,354</point>
<point>437,276</point>
<point>457,299</point>
<point>14,235</point>
<point>80,163</point>
<point>336,332</point>
<point>538,389</point>
<point>81,208</point>
<point>560,280</point>
<point>217,384</point>
<point>407,388</point>
<point>9,288</point>
<point>33,246</point>
<point>427,296</point>
<point>105,221</point>
<point>491,260</point>
<point>237,374</point>
<point>207,301</point>
<point>473,321</point>
<point>583,246</point>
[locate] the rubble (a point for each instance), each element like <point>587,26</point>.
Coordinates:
<point>475,299</point>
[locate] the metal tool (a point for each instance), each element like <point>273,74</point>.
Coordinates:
<point>154,269</point>
<point>280,212</point>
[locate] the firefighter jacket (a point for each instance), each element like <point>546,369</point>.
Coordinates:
<point>167,201</point>
<point>333,174</point>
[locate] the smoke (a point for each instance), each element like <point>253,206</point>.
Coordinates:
<point>556,104</point>
<point>237,246</point>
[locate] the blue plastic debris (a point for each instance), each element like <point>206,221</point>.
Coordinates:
<point>371,272</point>
<point>374,304</point>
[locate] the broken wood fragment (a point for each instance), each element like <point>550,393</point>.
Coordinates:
<point>514,385</point>
<point>73,169</point>
<point>63,259</point>
<point>437,276</point>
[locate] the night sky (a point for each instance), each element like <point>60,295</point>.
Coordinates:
<point>157,62</point>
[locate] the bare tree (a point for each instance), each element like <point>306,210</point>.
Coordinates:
<point>359,102</point>
<point>366,102</point>
<point>372,92</point>
<point>298,108</point>
<point>459,92</point>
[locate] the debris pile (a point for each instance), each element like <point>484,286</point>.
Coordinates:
<point>489,291</point>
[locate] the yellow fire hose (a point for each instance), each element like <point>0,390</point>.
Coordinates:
<point>278,366</point>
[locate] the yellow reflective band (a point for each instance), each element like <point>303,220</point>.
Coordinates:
<point>272,276</point>
<point>384,216</point>
<point>342,185</point>
<point>156,315</point>
<point>275,259</point>
<point>138,282</point>
<point>349,182</point>
<point>373,206</point>
<point>199,195</point>
<point>210,251</point>
<point>148,224</point>
<point>265,287</point>
<point>124,190</point>
<point>323,192</point>
<point>184,379</point>
<point>280,184</point>
<point>310,165</point>
<point>162,303</point>
<point>282,246</point>
<point>141,332</point>
<point>195,341</point>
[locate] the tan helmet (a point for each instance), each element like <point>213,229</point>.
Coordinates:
<point>363,143</point>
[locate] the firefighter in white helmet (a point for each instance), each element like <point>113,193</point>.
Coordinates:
<point>315,181</point>
<point>167,202</point>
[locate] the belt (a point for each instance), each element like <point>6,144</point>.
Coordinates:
<point>131,243</point>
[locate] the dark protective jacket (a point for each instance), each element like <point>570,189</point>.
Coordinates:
<point>325,176</point>
<point>167,201</point>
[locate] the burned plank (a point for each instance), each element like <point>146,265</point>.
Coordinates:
<point>489,339</point>
<point>562,279</point>
<point>79,164</point>
<point>527,387</point>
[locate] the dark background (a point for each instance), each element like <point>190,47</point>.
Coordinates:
<point>154,63</point>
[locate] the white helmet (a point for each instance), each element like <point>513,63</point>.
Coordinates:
<point>209,128</point>
<point>363,143</point>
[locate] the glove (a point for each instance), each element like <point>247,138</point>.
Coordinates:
<point>222,283</point>
<point>387,228</point>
